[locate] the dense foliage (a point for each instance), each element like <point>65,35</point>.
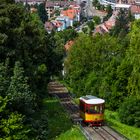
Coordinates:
<point>109,11</point>
<point>42,12</point>
<point>108,67</point>
<point>129,111</point>
<point>27,60</point>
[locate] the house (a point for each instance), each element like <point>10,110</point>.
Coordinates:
<point>51,6</point>
<point>73,12</point>
<point>135,10</point>
<point>58,25</point>
<point>137,2</point>
<point>65,22</point>
<point>122,6</point>
<point>30,2</point>
<point>49,26</point>
<point>100,30</point>
<point>107,25</point>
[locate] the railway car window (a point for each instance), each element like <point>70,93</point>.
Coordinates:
<point>87,109</point>
<point>97,109</point>
<point>94,109</point>
<point>91,109</point>
<point>101,108</point>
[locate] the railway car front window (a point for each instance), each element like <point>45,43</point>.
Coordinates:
<point>101,109</point>
<point>94,109</point>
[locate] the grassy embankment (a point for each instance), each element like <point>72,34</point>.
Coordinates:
<point>130,132</point>
<point>59,123</point>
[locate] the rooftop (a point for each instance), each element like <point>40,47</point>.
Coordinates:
<point>60,3</point>
<point>135,9</point>
<point>30,1</point>
<point>89,99</point>
<point>127,6</point>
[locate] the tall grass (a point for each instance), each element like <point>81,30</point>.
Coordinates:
<point>59,123</point>
<point>130,132</point>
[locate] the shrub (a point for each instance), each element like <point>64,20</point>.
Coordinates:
<point>129,111</point>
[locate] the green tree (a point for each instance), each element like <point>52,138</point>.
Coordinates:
<point>20,96</point>
<point>85,29</point>
<point>42,12</point>
<point>97,20</point>
<point>91,67</point>
<point>109,12</point>
<point>13,128</point>
<point>11,124</point>
<point>95,2</point>
<point>133,58</point>
<point>121,25</point>
<point>129,111</point>
<point>56,51</point>
<point>3,103</point>
<point>90,25</point>
<point>4,79</point>
<point>22,38</point>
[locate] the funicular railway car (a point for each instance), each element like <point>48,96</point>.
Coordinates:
<point>92,110</point>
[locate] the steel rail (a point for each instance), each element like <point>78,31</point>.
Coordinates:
<point>71,108</point>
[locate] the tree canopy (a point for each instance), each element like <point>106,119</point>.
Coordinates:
<point>27,52</point>
<point>105,66</point>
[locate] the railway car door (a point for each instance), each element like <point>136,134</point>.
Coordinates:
<point>82,110</point>
<point>82,106</point>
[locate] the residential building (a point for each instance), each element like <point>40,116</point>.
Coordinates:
<point>137,1</point>
<point>107,25</point>
<point>49,26</point>
<point>73,12</point>
<point>122,6</point>
<point>65,22</point>
<point>51,6</point>
<point>135,10</point>
<point>30,2</point>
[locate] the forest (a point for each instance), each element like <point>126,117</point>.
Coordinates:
<point>28,56</point>
<point>107,66</point>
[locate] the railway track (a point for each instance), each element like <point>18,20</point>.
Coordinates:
<point>92,133</point>
<point>105,135</point>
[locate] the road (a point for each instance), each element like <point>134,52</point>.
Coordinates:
<point>89,10</point>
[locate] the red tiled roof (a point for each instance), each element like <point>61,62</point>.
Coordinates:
<point>68,45</point>
<point>135,9</point>
<point>71,12</point>
<point>49,26</point>
<point>57,24</point>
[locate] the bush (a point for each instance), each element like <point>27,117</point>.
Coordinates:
<point>97,20</point>
<point>129,111</point>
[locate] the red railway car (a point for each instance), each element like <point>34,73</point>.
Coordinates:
<point>92,110</point>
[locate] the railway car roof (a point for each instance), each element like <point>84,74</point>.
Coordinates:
<point>89,99</point>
